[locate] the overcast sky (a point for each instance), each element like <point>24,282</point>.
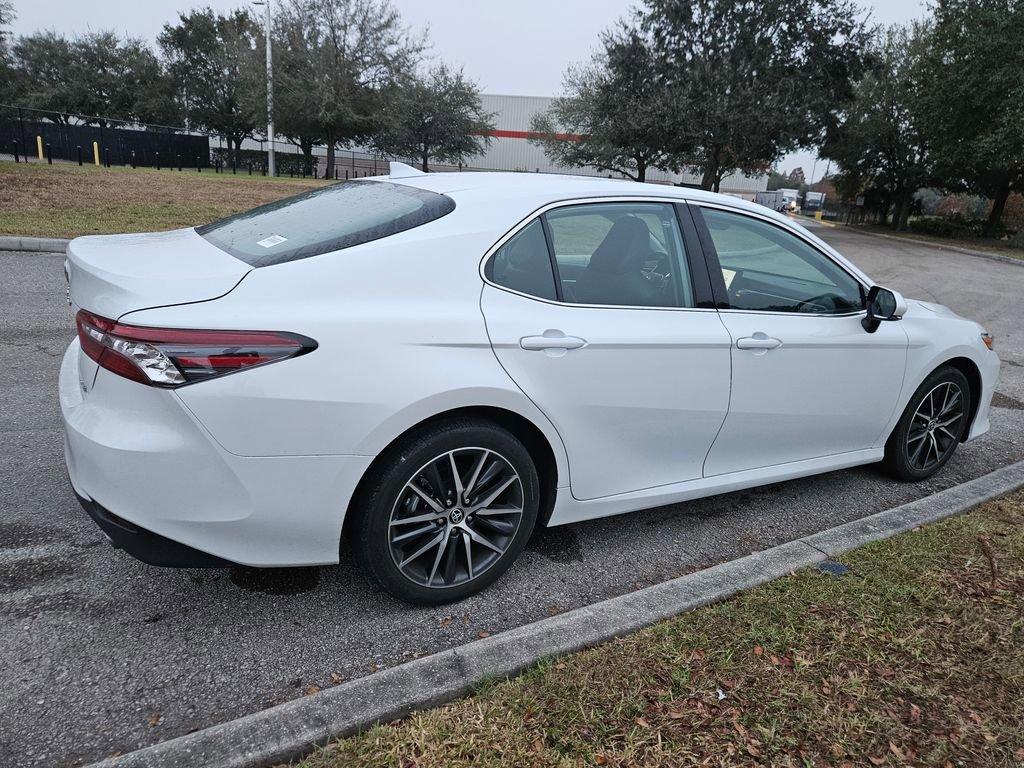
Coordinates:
<point>519,47</point>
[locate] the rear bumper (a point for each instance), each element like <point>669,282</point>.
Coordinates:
<point>145,545</point>
<point>165,491</point>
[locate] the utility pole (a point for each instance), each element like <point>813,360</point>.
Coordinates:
<point>271,166</point>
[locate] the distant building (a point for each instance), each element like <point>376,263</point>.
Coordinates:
<point>512,150</point>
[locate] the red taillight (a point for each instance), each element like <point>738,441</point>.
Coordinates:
<point>171,357</point>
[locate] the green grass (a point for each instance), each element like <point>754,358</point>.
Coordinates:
<point>1000,247</point>
<point>916,656</point>
<point>65,200</point>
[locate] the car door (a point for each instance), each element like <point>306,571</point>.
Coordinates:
<point>595,312</point>
<point>807,380</point>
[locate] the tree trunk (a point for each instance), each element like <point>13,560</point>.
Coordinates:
<point>236,141</point>
<point>306,146</point>
<point>902,215</point>
<point>425,157</point>
<point>329,169</point>
<point>710,172</point>
<point>995,216</point>
<point>641,170</point>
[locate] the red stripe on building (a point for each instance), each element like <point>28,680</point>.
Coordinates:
<point>503,134</point>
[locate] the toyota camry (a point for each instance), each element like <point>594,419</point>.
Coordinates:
<point>425,368</point>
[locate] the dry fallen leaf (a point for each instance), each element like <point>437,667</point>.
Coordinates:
<point>896,751</point>
<point>758,650</point>
<point>483,633</point>
<point>915,713</point>
<point>753,751</point>
<point>312,688</point>
<point>877,760</point>
<point>642,723</point>
<point>155,719</point>
<point>537,745</point>
<point>600,759</point>
<point>336,678</point>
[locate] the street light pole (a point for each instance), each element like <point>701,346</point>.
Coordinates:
<point>271,166</point>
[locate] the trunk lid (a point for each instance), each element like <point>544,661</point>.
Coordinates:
<point>112,275</point>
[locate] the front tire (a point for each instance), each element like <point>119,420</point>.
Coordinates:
<point>447,511</point>
<point>931,426</point>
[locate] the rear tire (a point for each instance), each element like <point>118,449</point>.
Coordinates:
<point>446,512</point>
<point>930,428</point>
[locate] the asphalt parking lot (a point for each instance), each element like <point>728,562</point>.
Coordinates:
<point>101,654</point>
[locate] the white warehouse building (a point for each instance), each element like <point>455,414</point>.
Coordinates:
<point>511,149</point>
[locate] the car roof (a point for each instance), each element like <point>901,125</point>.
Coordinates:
<point>543,188</point>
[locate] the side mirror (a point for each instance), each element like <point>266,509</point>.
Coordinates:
<point>882,304</point>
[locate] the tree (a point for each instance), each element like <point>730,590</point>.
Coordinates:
<point>7,72</point>
<point>145,92</point>
<point>207,55</point>
<point>614,115</point>
<point>347,54</point>
<point>121,80</point>
<point>437,116</point>
<point>972,98</point>
<point>43,63</point>
<point>7,17</point>
<point>879,142</point>
<point>777,180</point>
<point>751,81</point>
<point>796,176</point>
<point>295,108</point>
<point>96,75</point>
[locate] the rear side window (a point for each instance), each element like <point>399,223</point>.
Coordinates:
<point>523,264</point>
<point>328,219</point>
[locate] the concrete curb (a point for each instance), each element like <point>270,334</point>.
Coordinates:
<point>290,730</point>
<point>941,246</point>
<point>34,244</point>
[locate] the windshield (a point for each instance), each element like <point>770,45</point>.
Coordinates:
<point>337,216</point>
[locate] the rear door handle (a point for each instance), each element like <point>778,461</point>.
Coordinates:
<point>758,341</point>
<point>551,340</point>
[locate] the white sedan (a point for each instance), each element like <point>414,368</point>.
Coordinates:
<point>427,367</point>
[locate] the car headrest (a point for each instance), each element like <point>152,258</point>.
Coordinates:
<point>627,242</point>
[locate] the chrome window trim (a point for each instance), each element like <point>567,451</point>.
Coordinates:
<point>779,225</point>
<point>666,200</point>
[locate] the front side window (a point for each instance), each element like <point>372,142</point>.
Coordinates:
<point>621,254</point>
<point>327,219</point>
<point>523,264</point>
<point>770,270</point>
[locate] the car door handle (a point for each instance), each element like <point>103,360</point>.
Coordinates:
<point>758,341</point>
<point>551,340</point>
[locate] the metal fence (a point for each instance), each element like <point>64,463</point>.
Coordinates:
<point>48,136</point>
<point>31,135</point>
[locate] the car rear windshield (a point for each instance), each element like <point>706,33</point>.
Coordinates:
<point>338,216</point>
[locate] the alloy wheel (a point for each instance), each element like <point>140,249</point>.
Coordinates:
<point>455,517</point>
<point>936,426</point>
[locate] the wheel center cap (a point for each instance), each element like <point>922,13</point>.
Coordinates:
<point>455,516</point>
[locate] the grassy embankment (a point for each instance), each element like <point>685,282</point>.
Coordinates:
<point>65,200</point>
<point>914,657</point>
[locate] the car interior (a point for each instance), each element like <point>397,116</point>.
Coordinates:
<point>769,270</point>
<point>630,267</point>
